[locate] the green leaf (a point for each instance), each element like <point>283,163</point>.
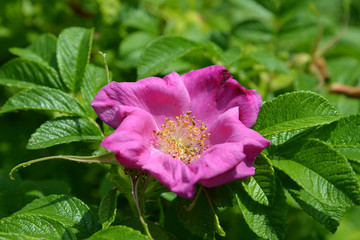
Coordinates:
<point>156,231</point>
<point>324,173</point>
<point>343,135</point>
<point>42,50</point>
<point>294,111</point>
<point>118,232</point>
<point>64,130</point>
<point>161,52</point>
<point>27,54</point>
<point>43,98</point>
<point>222,196</point>
<point>73,52</point>
<point>122,181</point>
<point>174,225</point>
<point>198,219</point>
<point>67,210</point>
<point>29,72</point>
<point>327,215</point>
<point>107,210</point>
<point>95,78</point>
<point>33,227</point>
<point>261,186</point>
<point>271,62</point>
<point>266,222</point>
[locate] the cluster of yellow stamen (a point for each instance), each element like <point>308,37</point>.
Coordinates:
<point>183,138</point>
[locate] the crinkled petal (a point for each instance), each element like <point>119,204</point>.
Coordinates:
<point>161,97</point>
<point>230,144</point>
<point>130,141</point>
<point>172,173</point>
<point>213,91</point>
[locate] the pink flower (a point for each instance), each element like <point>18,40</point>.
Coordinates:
<point>188,129</point>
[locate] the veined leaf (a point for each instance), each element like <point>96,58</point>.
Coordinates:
<point>33,227</point>
<point>69,211</point>
<point>29,72</point>
<point>64,130</point>
<point>344,135</point>
<point>294,111</point>
<point>261,186</point>
<point>222,196</point>
<point>161,52</point>
<point>16,83</point>
<point>266,222</point>
<point>73,52</point>
<point>118,232</point>
<point>107,210</point>
<point>323,173</point>
<point>43,98</point>
<point>327,215</point>
<point>94,80</point>
<point>42,50</point>
<point>27,54</point>
<point>199,219</point>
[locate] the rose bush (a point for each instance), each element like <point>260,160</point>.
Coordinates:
<point>188,129</point>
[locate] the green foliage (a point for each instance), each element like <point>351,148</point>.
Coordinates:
<point>43,98</point>
<point>266,222</point>
<point>64,130</point>
<point>118,232</point>
<point>107,209</point>
<point>291,52</point>
<point>261,187</point>
<point>161,52</point>
<point>72,54</point>
<point>51,217</point>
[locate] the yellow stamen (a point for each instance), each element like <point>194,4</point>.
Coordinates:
<point>182,138</point>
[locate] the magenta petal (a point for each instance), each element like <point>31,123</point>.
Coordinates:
<point>231,143</point>
<point>242,170</point>
<point>172,173</point>
<point>130,141</point>
<point>213,91</point>
<point>161,97</point>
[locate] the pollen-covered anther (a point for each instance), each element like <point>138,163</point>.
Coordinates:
<point>183,138</point>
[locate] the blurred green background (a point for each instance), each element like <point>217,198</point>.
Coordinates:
<point>274,46</point>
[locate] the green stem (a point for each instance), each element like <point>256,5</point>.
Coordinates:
<point>106,66</point>
<point>142,193</point>
<point>106,158</point>
<point>134,189</point>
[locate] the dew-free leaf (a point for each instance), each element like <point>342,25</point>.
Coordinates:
<point>68,211</point>
<point>324,173</point>
<point>266,222</point>
<point>43,98</point>
<point>118,232</point>
<point>29,73</point>
<point>161,52</point>
<point>72,53</point>
<point>64,130</point>
<point>261,186</point>
<point>294,111</point>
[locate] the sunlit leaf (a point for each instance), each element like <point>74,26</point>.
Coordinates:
<point>64,130</point>
<point>161,52</point>
<point>73,52</point>
<point>43,98</point>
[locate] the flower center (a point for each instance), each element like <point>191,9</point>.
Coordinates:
<point>183,138</point>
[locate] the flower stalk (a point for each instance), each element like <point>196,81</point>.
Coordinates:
<point>134,189</point>
<point>105,158</point>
